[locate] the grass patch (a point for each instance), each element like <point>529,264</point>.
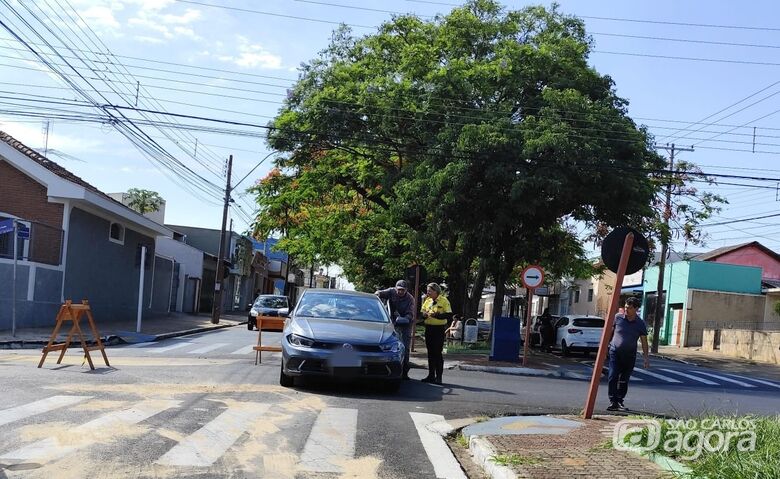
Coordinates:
<point>720,447</point>
<point>514,460</point>
<point>481,347</point>
<point>462,441</point>
<point>604,446</point>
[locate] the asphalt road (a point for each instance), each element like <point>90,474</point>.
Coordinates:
<point>198,407</point>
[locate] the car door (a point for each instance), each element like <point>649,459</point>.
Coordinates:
<point>560,330</point>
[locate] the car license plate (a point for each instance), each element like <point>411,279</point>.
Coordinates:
<point>593,344</point>
<point>345,358</point>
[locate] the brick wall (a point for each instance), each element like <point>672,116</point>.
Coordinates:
<point>23,197</point>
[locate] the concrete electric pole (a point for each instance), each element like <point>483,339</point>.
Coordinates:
<point>217,308</point>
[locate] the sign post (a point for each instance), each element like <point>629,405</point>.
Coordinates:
<point>532,277</point>
<point>628,260</point>
<point>13,293</point>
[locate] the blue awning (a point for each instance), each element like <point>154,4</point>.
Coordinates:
<point>632,289</point>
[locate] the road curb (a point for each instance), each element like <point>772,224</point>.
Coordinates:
<point>112,340</point>
<point>482,453</point>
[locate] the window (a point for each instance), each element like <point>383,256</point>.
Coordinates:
<point>590,295</point>
<point>577,296</point>
<point>116,233</point>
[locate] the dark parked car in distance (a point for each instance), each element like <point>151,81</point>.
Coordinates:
<point>336,333</point>
<point>268,305</point>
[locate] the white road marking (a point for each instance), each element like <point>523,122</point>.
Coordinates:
<point>203,447</point>
<point>331,441</point>
<point>551,365</point>
<point>206,349</point>
<point>245,350</point>
<point>727,379</point>
<point>658,376</point>
<point>694,378</point>
<point>171,347</point>
<point>445,466</point>
<point>38,407</point>
<point>50,449</point>
<point>760,381</point>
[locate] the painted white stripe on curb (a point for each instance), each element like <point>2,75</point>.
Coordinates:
<point>444,463</point>
<point>658,376</point>
<point>245,350</point>
<point>727,379</point>
<point>38,407</point>
<point>203,447</point>
<point>331,441</point>
<point>206,349</point>
<point>482,453</point>
<point>50,448</point>
<point>169,348</point>
<point>694,378</point>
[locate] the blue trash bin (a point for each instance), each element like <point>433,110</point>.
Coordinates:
<point>505,345</point>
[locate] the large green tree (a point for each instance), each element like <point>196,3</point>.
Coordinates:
<point>462,143</point>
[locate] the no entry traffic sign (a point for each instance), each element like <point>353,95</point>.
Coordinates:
<point>532,276</point>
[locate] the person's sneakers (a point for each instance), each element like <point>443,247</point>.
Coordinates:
<point>437,381</point>
<point>621,407</point>
<point>614,407</point>
<point>427,379</point>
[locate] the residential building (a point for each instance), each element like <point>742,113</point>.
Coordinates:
<point>83,245</point>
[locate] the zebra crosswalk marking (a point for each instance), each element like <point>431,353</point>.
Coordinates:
<point>691,377</point>
<point>759,381</point>
<point>331,441</point>
<point>208,348</point>
<point>244,350</point>
<point>203,447</point>
<point>176,345</point>
<point>727,379</point>
<point>38,407</point>
<point>50,448</point>
<point>658,376</point>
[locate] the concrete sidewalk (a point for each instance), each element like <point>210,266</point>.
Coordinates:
<point>554,447</point>
<point>176,324</point>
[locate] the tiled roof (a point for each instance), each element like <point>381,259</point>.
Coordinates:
<point>52,166</point>
<point>728,249</point>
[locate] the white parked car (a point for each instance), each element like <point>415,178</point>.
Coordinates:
<point>578,333</point>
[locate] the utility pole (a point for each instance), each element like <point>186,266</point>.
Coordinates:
<point>217,307</point>
<point>660,310</point>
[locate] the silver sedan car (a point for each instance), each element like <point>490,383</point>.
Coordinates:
<point>341,334</point>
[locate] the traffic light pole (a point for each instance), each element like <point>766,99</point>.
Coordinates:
<point>218,283</point>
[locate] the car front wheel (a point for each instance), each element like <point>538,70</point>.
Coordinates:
<point>285,380</point>
<point>250,324</point>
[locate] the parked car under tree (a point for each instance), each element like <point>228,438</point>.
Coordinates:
<point>341,334</point>
<point>272,305</point>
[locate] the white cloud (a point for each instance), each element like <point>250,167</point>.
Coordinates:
<point>166,26</point>
<point>98,16</point>
<point>189,16</point>
<point>147,39</point>
<point>33,137</point>
<point>252,55</point>
<point>186,32</point>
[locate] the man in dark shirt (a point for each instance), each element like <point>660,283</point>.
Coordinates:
<point>402,312</point>
<point>622,352</point>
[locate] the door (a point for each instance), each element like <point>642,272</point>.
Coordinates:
<point>677,324</point>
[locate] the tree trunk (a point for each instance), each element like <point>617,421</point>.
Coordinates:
<point>475,296</point>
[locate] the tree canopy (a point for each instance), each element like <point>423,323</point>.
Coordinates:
<point>468,143</point>
<point>144,201</point>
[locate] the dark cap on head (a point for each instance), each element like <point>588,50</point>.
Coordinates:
<point>401,284</point>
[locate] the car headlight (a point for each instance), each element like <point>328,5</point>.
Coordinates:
<point>392,346</point>
<point>296,340</point>
<point>253,313</point>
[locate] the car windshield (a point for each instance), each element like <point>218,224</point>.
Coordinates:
<point>271,302</point>
<point>588,322</point>
<point>341,307</point>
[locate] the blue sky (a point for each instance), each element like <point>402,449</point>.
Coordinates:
<point>250,59</point>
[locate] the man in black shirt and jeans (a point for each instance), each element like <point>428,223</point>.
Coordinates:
<point>629,327</point>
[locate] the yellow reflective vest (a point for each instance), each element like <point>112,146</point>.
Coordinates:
<point>440,305</point>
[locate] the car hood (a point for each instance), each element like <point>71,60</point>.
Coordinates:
<point>342,330</point>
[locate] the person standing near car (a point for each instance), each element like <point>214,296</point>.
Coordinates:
<point>402,307</point>
<point>437,312</point>
<point>628,328</point>
<point>546,330</point>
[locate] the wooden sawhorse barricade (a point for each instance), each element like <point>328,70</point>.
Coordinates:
<point>271,322</point>
<point>73,313</point>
